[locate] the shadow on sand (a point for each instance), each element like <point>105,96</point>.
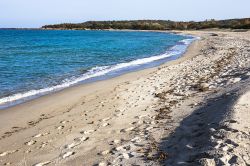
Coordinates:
<point>190,142</point>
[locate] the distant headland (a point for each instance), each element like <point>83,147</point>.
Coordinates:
<point>243,23</point>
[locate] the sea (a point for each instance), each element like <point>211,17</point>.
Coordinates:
<point>34,63</point>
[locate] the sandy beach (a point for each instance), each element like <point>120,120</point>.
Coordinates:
<point>190,111</point>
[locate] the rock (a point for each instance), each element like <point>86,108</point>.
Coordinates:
<point>225,148</point>
<point>212,129</point>
<point>189,146</point>
<point>102,164</point>
<point>233,80</point>
<point>207,162</point>
<point>149,128</point>
<point>204,87</point>
<point>119,148</point>
<point>105,152</point>
<point>126,155</point>
<point>116,141</point>
<point>136,139</point>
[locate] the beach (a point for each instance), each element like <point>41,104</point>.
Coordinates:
<point>189,111</point>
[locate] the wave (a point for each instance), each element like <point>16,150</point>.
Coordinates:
<point>96,72</point>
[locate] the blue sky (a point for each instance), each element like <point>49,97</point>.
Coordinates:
<point>35,13</point>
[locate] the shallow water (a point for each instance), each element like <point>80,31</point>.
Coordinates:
<point>37,62</point>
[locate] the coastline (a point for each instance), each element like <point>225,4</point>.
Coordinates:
<point>97,85</point>
<point>137,118</point>
<point>101,73</point>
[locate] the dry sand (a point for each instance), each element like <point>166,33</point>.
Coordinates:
<point>191,111</point>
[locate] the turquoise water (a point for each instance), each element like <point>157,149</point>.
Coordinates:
<point>37,62</point>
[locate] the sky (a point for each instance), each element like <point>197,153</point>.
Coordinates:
<point>35,13</point>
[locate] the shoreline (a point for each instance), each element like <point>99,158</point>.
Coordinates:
<point>192,110</point>
<point>95,85</point>
<point>153,61</point>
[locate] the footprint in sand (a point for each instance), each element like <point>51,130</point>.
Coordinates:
<point>67,154</point>
<point>43,145</point>
<point>87,132</point>
<point>77,141</point>
<point>40,135</point>
<point>64,121</point>
<point>105,124</point>
<point>31,142</point>
<point>42,163</point>
<point>7,153</point>
<point>126,130</point>
<point>106,119</point>
<point>60,127</point>
<point>72,145</point>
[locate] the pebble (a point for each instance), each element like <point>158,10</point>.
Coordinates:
<point>105,152</point>
<point>235,80</point>
<point>225,148</point>
<point>136,139</point>
<point>204,86</point>
<point>212,129</point>
<point>116,141</point>
<point>149,128</point>
<point>102,164</point>
<point>189,146</point>
<point>126,155</point>
<point>119,148</point>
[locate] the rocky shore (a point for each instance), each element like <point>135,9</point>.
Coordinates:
<point>192,111</point>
